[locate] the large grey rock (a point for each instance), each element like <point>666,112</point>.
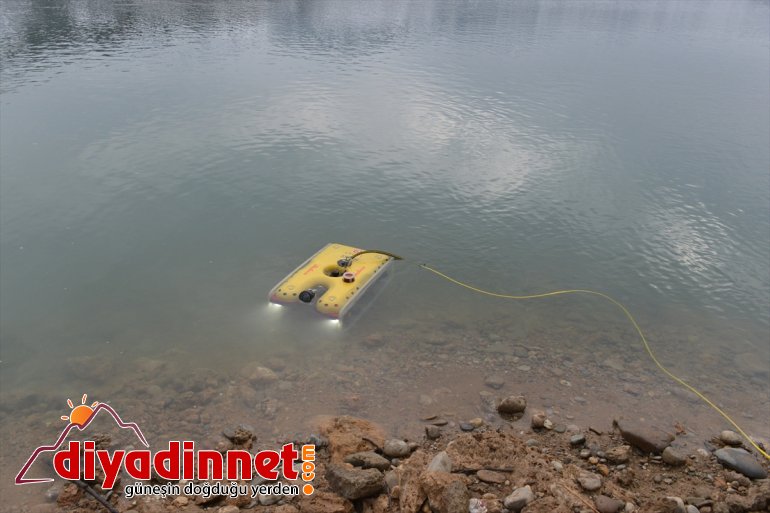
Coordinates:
<point>741,461</point>
<point>644,437</point>
<point>519,498</point>
<point>354,483</point>
<point>512,404</point>
<point>368,459</point>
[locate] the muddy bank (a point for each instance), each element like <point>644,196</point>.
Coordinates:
<point>473,467</point>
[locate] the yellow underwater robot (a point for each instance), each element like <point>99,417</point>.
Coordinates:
<point>343,272</point>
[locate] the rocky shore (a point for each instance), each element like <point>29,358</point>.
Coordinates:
<point>473,467</point>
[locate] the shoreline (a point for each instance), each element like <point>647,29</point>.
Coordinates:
<point>473,467</point>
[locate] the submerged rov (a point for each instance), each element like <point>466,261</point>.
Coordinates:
<point>335,278</point>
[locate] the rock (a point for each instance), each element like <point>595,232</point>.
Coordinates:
<point>367,459</point>
<point>411,495</point>
<point>347,435</point>
<point>432,432</point>
<point>608,505</point>
<point>257,374</point>
<point>446,492</point>
<point>181,501</point>
<point>741,461</point>
<point>673,457</point>
<point>691,509</point>
<point>512,404</point>
<point>495,381</point>
<point>240,435</point>
<point>324,502</point>
<point>647,438</point>
<point>669,505</point>
<point>354,483</point>
<point>538,420</point>
<point>519,498</point>
<point>489,476</point>
<point>395,448</point>
<point>749,364</point>
<point>466,426</point>
<point>619,454</point>
<point>228,509</point>
<point>578,439</point>
<point>730,438</point>
<point>476,422</point>
<point>589,481</point>
<point>53,493</point>
<point>441,462</point>
<point>476,506</point>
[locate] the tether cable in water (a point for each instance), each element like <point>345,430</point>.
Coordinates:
<point>633,322</point>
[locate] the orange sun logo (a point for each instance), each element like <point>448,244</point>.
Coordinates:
<point>81,413</point>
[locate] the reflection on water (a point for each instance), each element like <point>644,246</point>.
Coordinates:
<point>165,164</point>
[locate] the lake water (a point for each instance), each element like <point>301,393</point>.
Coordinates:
<point>164,164</point>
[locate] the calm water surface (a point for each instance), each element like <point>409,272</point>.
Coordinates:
<point>164,164</point>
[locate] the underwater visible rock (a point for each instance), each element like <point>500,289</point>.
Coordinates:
<point>512,404</point>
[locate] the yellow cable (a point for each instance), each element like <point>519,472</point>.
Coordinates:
<point>636,326</point>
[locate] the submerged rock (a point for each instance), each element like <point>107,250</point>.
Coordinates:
<point>512,404</point>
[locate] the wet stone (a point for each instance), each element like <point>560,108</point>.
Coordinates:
<point>512,404</point>
<point>741,461</point>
